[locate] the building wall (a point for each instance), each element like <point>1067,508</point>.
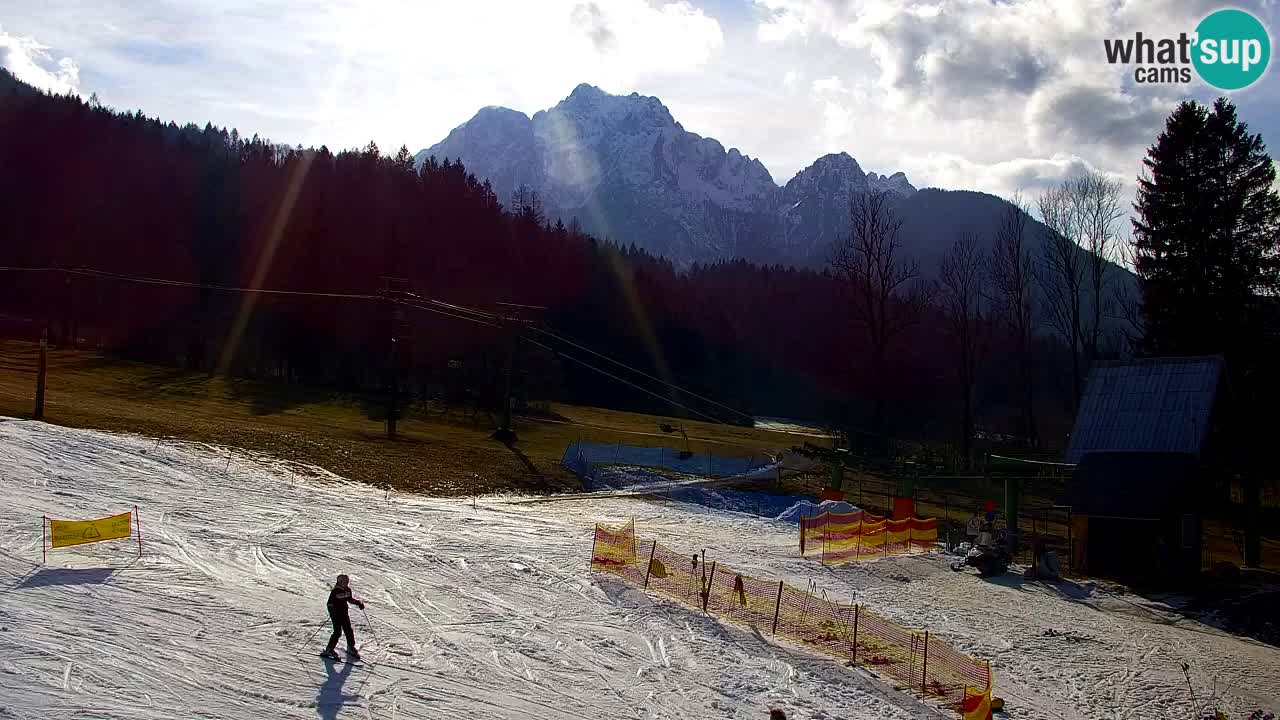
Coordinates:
<point>1164,551</point>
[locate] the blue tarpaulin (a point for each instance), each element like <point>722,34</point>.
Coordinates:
<point>581,457</point>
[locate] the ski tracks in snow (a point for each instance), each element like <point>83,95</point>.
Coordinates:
<point>489,610</point>
<point>486,611</point>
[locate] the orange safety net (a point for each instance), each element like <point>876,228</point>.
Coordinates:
<point>850,632</point>
<point>841,537</point>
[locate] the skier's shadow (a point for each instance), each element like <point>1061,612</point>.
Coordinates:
<point>330,698</point>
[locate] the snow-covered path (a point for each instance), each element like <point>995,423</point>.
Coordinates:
<point>491,611</point>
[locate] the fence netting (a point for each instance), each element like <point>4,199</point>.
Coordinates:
<point>842,537</point>
<point>913,659</point>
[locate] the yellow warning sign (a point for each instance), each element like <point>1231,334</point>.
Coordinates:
<point>65,533</point>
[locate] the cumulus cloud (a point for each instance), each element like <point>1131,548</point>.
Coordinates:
<point>588,15</point>
<point>32,63</point>
<point>997,95</point>
<point>990,95</point>
<point>345,72</point>
<point>1074,114</point>
<point>1027,176</point>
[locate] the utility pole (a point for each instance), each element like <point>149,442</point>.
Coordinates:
<point>40,376</point>
<point>513,323</point>
<point>394,289</point>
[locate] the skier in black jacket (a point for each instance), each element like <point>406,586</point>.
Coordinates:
<point>339,597</point>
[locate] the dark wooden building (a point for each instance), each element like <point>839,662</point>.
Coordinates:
<point>1144,445</point>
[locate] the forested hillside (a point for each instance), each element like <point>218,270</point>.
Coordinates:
<point>111,193</point>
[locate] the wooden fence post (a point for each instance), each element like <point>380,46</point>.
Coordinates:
<point>924,669</point>
<point>138,516</point>
<point>854,659</point>
<point>1071,546</point>
<point>41,372</point>
<point>594,537</point>
<point>649,567</point>
<point>824,537</point>
<point>858,551</point>
<point>776,607</point>
<point>706,590</point>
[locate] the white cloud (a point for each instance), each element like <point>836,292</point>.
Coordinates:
<point>1020,175</point>
<point>828,85</point>
<point>31,63</point>
<point>979,94</point>
<point>957,93</point>
<point>345,72</point>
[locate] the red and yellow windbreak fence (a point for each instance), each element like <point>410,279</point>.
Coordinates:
<point>921,662</point>
<point>841,537</point>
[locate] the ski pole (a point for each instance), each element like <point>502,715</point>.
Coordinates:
<point>369,622</point>
<point>309,639</point>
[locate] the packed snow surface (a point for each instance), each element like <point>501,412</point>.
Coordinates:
<point>808,508</point>
<point>490,611</point>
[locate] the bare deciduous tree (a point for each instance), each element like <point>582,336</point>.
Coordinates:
<point>1097,199</point>
<point>1075,263</point>
<point>1126,297</point>
<point>885,289</point>
<point>1011,278</point>
<point>962,284</point>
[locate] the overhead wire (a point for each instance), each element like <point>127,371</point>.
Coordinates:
<point>88,272</point>
<point>446,314</point>
<point>608,374</point>
<point>427,304</point>
<point>619,363</point>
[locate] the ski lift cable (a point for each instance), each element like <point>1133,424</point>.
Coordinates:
<point>446,314</point>
<point>89,272</point>
<point>610,375</point>
<point>641,372</point>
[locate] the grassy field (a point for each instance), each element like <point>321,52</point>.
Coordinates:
<point>432,454</point>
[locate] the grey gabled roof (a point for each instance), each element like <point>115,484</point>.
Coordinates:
<point>1148,405</point>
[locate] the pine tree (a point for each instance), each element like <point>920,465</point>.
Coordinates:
<point>1205,243</point>
<point>404,160</point>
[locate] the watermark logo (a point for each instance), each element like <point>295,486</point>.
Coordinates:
<point>1229,50</point>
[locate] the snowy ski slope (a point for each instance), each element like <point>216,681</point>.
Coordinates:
<point>490,611</point>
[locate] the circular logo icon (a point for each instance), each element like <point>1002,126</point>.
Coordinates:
<point>1232,49</point>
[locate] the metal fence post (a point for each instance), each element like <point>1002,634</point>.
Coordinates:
<point>777,606</point>
<point>594,537</point>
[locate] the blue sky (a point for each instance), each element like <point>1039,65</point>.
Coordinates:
<point>998,96</point>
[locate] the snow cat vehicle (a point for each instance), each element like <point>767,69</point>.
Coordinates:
<point>988,560</point>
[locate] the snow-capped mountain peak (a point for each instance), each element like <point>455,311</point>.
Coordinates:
<point>628,171</point>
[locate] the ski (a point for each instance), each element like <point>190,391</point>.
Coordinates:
<point>342,659</point>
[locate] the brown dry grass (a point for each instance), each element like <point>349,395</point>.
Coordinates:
<point>433,454</point>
